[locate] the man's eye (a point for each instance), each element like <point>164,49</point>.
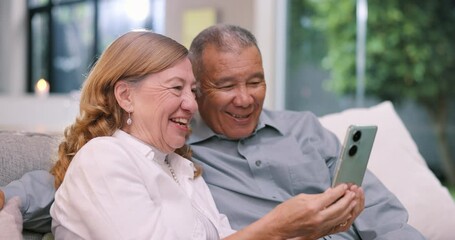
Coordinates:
<point>226,86</point>
<point>255,83</point>
<point>179,88</point>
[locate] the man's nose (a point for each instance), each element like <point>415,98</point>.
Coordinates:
<point>243,97</point>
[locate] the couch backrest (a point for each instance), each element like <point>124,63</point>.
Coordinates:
<point>22,152</point>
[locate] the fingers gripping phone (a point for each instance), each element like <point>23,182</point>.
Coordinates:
<point>353,160</point>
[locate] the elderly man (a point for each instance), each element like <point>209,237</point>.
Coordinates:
<point>254,159</point>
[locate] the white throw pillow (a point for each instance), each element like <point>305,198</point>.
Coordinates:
<point>396,161</point>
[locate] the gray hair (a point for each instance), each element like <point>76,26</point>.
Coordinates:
<point>226,38</point>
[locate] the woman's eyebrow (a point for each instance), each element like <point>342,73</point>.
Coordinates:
<point>174,79</point>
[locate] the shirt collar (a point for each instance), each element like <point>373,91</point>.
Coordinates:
<point>145,149</point>
<point>183,166</point>
<point>200,131</point>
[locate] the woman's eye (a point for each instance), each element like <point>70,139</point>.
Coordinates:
<point>179,88</point>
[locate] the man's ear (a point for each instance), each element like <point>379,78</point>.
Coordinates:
<point>123,95</point>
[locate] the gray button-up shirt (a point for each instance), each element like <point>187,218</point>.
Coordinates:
<point>288,153</point>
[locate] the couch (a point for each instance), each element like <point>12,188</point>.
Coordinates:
<point>395,159</point>
<point>21,152</point>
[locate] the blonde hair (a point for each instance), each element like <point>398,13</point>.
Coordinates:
<point>130,58</point>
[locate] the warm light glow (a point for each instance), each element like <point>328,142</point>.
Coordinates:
<point>42,88</point>
<point>137,10</point>
<point>42,85</point>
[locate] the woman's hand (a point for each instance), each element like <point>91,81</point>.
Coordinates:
<point>313,216</point>
<point>2,199</point>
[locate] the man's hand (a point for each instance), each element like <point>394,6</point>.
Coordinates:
<point>311,216</point>
<point>360,198</point>
<point>2,199</point>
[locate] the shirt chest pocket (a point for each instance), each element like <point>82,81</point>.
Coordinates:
<point>309,175</point>
<point>292,168</point>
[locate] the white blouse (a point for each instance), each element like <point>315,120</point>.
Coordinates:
<point>120,188</point>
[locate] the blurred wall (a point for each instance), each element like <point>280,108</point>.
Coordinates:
<point>21,110</point>
<point>239,12</point>
<point>13,47</point>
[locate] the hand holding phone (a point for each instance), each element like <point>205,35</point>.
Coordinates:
<point>355,153</point>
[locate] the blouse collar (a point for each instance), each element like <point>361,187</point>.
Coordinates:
<point>182,165</point>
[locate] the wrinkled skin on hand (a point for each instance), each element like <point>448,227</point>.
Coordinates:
<point>312,216</point>
<point>2,199</point>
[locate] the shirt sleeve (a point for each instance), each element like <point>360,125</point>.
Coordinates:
<point>36,192</point>
<point>220,220</point>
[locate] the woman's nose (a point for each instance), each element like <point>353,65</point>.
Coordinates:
<point>189,102</point>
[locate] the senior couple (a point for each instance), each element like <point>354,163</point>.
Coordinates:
<point>125,171</point>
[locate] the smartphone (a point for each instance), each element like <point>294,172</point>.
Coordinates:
<point>353,159</point>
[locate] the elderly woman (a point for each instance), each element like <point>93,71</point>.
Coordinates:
<point>123,170</point>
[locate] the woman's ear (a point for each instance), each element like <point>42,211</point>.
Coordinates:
<point>123,95</point>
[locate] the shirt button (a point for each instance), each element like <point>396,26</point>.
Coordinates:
<point>258,163</point>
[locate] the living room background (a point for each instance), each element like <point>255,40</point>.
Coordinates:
<point>294,66</point>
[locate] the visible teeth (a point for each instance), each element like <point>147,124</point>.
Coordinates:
<point>239,116</point>
<point>182,121</point>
